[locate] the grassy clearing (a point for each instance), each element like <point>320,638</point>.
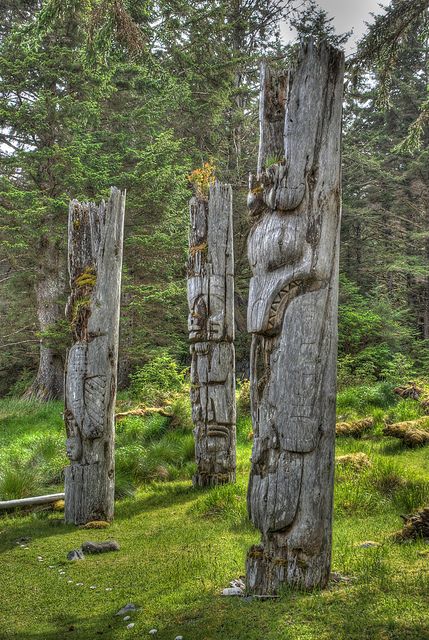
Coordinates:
<point>180,547</point>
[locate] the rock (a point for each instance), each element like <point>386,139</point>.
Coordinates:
<point>39,558</point>
<point>368,543</point>
<point>109,589</point>
<point>100,547</point>
<point>93,586</point>
<point>232,591</point>
<point>79,584</point>
<point>339,577</point>
<point>239,584</point>
<point>153,632</point>
<point>126,609</point>
<point>75,554</point>
<point>178,638</point>
<point>127,618</point>
<point>130,626</point>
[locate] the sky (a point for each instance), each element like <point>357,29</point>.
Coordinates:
<point>348,15</point>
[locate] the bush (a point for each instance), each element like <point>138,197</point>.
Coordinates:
<point>398,370</point>
<point>243,400</point>
<point>157,380</point>
<point>364,399</point>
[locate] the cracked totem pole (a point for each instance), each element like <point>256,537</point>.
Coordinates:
<point>211,335</point>
<point>295,201</point>
<point>95,240</point>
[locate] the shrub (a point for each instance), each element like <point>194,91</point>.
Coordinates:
<point>364,399</point>
<point>399,369</point>
<point>157,380</point>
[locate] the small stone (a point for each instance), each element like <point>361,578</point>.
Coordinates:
<point>79,584</point>
<point>39,558</point>
<point>130,626</point>
<point>239,584</point>
<point>69,581</point>
<point>369,543</point>
<point>178,638</point>
<point>93,586</point>
<point>62,573</point>
<point>109,589</point>
<point>153,632</point>
<point>51,566</point>
<point>126,609</point>
<point>100,547</point>
<point>75,554</point>
<point>233,591</point>
<point>127,618</point>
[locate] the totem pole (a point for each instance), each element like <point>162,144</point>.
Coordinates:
<point>211,334</point>
<point>95,239</point>
<point>292,314</point>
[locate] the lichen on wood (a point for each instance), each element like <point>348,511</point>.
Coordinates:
<point>292,314</point>
<point>95,239</point>
<point>211,333</point>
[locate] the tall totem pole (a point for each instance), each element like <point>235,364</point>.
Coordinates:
<point>211,334</point>
<point>293,247</point>
<point>95,239</point>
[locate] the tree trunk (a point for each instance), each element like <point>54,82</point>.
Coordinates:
<point>50,290</point>
<point>211,334</point>
<point>292,314</point>
<point>95,240</point>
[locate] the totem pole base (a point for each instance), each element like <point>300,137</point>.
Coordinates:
<point>270,569</point>
<point>212,480</point>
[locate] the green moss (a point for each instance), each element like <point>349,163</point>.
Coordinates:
<point>88,278</point>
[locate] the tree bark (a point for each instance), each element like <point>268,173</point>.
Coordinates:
<point>292,314</point>
<point>211,334</point>
<point>50,291</point>
<point>95,241</point>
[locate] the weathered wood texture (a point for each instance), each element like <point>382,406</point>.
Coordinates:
<point>211,334</point>
<point>292,314</point>
<point>95,240</point>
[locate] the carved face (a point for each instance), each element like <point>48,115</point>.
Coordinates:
<point>74,448</point>
<point>280,258</point>
<point>197,320</point>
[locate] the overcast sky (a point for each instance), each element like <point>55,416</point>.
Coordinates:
<point>348,15</point>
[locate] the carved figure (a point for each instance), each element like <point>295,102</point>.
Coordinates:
<point>211,334</point>
<point>95,262</point>
<point>292,314</point>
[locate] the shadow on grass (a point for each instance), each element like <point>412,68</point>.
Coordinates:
<point>160,495</point>
<point>393,447</point>
<point>296,615</point>
<point>66,626</point>
<point>32,529</point>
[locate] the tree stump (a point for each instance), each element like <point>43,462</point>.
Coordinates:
<point>95,240</point>
<point>293,252</point>
<point>211,334</point>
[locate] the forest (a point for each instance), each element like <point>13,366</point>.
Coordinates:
<point>175,103</point>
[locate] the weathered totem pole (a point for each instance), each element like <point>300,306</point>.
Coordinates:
<point>211,334</point>
<point>292,314</point>
<point>95,239</point>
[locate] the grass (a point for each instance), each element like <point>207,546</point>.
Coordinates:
<point>180,546</point>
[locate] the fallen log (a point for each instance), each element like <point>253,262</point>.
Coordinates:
<point>144,411</point>
<point>30,502</point>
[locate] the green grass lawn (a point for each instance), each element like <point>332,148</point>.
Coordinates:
<point>180,547</point>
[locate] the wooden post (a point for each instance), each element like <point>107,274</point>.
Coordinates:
<point>95,239</point>
<point>293,252</point>
<point>211,334</point>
